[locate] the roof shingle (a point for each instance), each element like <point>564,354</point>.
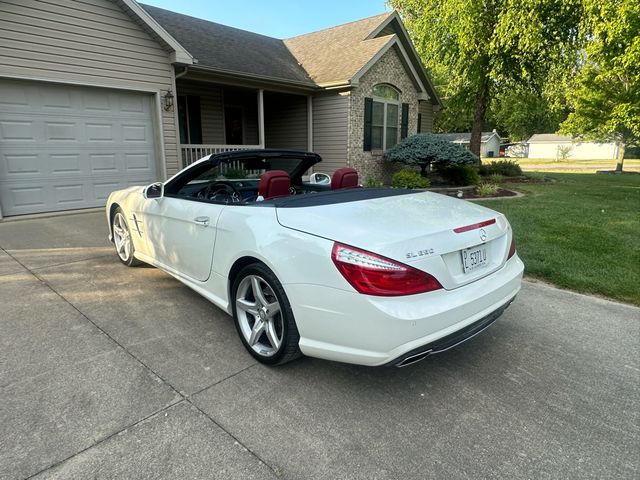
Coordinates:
<point>231,49</point>
<point>336,54</point>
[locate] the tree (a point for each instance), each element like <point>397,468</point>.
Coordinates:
<point>485,46</point>
<point>424,149</point>
<point>606,100</point>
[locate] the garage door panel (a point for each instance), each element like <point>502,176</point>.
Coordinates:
<point>29,197</point>
<point>15,96</point>
<point>19,131</point>
<point>25,197</point>
<point>75,163</point>
<point>20,164</point>
<point>64,147</point>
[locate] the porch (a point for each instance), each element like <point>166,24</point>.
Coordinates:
<point>216,118</point>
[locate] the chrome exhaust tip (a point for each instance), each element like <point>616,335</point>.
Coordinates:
<point>415,358</point>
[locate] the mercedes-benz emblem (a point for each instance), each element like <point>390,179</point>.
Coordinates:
<point>483,234</point>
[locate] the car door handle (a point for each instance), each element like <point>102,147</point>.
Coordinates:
<point>204,221</point>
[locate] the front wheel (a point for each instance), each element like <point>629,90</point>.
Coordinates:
<point>263,316</point>
<point>122,239</point>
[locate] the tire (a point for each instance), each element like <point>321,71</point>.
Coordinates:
<point>264,322</point>
<point>122,239</point>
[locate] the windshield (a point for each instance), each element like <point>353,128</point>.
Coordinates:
<point>250,168</point>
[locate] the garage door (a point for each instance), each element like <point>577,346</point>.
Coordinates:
<point>65,147</point>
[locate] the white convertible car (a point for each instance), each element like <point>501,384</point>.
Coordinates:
<point>325,269</point>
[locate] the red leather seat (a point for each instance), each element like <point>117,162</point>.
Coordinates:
<point>273,184</point>
<point>344,178</point>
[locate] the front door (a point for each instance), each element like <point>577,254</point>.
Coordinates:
<point>181,234</point>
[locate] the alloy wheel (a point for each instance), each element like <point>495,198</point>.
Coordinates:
<point>259,315</point>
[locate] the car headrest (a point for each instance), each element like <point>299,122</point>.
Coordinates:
<point>344,178</point>
<point>274,183</point>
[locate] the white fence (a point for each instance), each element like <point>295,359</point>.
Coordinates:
<point>192,152</point>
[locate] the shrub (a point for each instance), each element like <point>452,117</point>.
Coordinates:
<point>496,178</point>
<point>424,149</point>
<point>506,168</point>
<point>409,179</point>
<point>460,175</point>
<point>373,183</point>
<point>486,189</point>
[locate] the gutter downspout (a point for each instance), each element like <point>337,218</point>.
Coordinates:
<point>182,74</point>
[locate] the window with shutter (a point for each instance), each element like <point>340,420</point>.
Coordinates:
<point>382,124</point>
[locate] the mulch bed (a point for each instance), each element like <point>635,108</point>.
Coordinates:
<point>470,192</point>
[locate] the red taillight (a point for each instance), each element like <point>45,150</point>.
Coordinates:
<point>512,247</point>
<point>372,274</point>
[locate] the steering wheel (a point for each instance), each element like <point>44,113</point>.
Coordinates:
<point>220,192</point>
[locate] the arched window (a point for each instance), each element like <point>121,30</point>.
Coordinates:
<point>385,116</point>
<point>384,90</point>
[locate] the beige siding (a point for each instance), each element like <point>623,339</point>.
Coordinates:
<point>285,121</point>
<point>211,114</point>
<point>86,42</point>
<point>330,127</point>
<point>425,109</point>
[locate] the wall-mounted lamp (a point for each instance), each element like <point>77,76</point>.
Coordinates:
<point>168,100</point>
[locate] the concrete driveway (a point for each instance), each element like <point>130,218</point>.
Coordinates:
<point>111,372</point>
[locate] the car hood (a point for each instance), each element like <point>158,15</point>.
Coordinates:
<point>398,227</point>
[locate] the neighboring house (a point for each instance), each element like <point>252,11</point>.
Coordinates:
<point>489,142</point>
<point>516,150</point>
<point>549,145</point>
<point>96,95</point>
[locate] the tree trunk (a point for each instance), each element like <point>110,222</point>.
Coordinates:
<point>482,96</point>
<point>620,163</point>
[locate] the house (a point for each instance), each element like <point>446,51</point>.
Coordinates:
<point>96,95</point>
<point>550,145</point>
<point>489,142</point>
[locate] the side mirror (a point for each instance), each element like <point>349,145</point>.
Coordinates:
<point>320,178</point>
<point>155,190</point>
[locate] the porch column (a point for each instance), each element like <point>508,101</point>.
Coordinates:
<point>310,123</point>
<point>261,117</point>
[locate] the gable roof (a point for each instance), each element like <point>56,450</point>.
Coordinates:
<point>465,137</point>
<point>231,50</point>
<point>340,55</point>
<point>549,138</point>
<point>336,56</point>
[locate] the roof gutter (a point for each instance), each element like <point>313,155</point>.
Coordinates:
<point>250,76</point>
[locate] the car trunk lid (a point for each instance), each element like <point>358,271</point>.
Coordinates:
<point>418,229</point>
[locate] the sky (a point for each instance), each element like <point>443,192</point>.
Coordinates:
<point>276,18</point>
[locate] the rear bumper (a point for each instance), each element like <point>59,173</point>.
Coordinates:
<point>450,341</point>
<point>346,326</point>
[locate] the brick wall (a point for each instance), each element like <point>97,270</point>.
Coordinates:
<point>389,69</point>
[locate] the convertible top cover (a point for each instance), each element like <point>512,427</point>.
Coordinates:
<point>337,196</point>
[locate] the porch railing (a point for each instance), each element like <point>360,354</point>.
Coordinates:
<point>193,152</point>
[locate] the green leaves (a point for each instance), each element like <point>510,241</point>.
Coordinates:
<point>479,50</point>
<point>606,100</point>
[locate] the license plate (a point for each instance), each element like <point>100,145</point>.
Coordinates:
<point>474,258</point>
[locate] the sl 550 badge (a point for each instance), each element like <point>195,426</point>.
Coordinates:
<point>420,253</point>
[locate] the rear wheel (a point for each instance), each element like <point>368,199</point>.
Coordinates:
<point>263,316</point>
<point>122,239</point>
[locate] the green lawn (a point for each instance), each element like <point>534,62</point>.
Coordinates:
<point>580,232</point>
